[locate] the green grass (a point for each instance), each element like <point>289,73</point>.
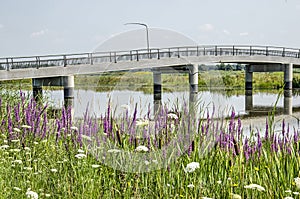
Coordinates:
<point>43,160</point>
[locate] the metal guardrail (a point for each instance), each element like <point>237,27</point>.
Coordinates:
<point>12,63</point>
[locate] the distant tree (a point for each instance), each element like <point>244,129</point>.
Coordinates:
<point>221,66</point>
<point>229,67</point>
<point>203,67</point>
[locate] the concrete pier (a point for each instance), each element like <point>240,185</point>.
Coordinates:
<point>248,80</point>
<point>193,78</point>
<point>248,102</point>
<point>288,105</point>
<point>288,77</point>
<point>37,90</point>
<point>68,84</point>
<point>157,90</point>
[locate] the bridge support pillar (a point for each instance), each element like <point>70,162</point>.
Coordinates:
<point>68,84</point>
<point>157,90</point>
<point>288,78</point>
<point>193,79</point>
<point>37,89</point>
<point>288,105</point>
<point>248,102</point>
<point>248,80</point>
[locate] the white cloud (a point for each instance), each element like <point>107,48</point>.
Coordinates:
<point>39,33</point>
<point>226,32</point>
<point>244,34</point>
<point>207,27</point>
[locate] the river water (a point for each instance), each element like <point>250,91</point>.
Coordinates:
<point>263,101</point>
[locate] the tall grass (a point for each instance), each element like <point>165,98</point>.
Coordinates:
<point>61,158</point>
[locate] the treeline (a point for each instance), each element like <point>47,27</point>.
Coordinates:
<point>222,66</point>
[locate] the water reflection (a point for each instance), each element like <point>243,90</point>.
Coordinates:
<point>259,103</point>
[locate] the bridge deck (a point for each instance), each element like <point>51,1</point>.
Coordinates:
<point>99,62</point>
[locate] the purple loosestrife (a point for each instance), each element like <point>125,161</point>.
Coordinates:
<point>274,145</point>
<point>45,122</point>
<point>17,114</point>
<point>267,130</point>
<point>232,123</point>
<point>259,143</point>
<point>239,129</point>
<point>246,149</point>
<point>296,136</point>
<point>190,149</point>
<point>283,128</point>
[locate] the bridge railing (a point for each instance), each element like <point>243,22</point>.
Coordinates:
<point>12,63</point>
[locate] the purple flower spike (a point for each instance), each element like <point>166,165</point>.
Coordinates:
<point>267,130</point>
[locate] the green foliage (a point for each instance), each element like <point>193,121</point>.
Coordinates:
<point>50,167</point>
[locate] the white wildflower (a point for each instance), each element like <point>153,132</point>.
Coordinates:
<point>142,123</point>
<point>254,186</point>
<point>4,146</point>
<point>17,130</point>
<point>26,126</point>
<point>206,198</point>
<point>28,168</point>
<point>5,141</point>
<point>296,193</point>
<point>86,137</point>
<point>155,161</point>
<point>15,150</point>
<point>236,196</point>
<point>27,148</point>
<point>229,179</point>
<point>32,194</point>
<point>191,167</point>
<point>74,128</point>
<point>80,151</point>
<point>141,148</point>
<point>47,195</point>
<point>80,156</point>
<point>288,191</point>
<point>35,143</point>
<point>17,188</point>
<point>219,182</point>
<point>147,162</point>
<point>297,182</point>
<point>288,197</point>
<point>95,165</point>
<point>15,141</point>
<point>53,170</point>
<point>172,116</point>
<point>17,161</point>
<point>114,151</point>
<point>190,186</point>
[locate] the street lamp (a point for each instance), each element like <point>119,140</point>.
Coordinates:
<point>147,34</point>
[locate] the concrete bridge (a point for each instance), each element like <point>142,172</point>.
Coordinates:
<point>59,70</point>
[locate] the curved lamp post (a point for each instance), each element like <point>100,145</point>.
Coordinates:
<point>147,34</point>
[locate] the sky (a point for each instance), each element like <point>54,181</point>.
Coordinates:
<point>35,27</point>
